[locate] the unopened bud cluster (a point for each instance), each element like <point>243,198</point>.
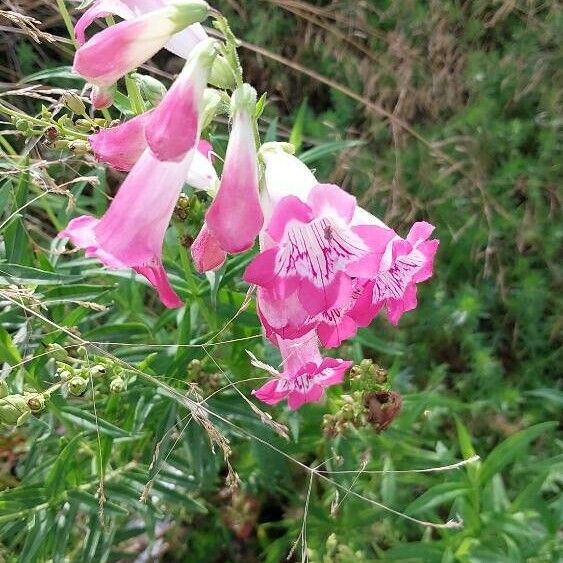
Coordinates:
<point>205,381</point>
<point>370,403</point>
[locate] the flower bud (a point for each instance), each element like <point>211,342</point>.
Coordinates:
<point>152,90</point>
<point>117,385</point>
<point>222,74</point>
<point>79,147</point>
<point>3,389</point>
<point>211,105</point>
<point>98,369</point>
<point>14,410</point>
<point>58,352</point>
<point>81,352</point>
<point>35,401</point>
<point>189,12</point>
<point>77,386</point>
<point>74,103</point>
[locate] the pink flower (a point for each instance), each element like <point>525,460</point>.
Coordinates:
<point>306,374</point>
<point>316,250</point>
<point>123,145</point>
<point>235,216</point>
<point>172,128</point>
<point>206,252</point>
<point>131,233</point>
<point>120,48</point>
<point>406,263</point>
<point>180,43</point>
<point>327,264</point>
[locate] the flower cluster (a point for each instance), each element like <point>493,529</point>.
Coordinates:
<point>325,266</point>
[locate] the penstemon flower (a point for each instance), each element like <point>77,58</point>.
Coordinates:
<point>131,233</point>
<point>180,43</point>
<point>306,374</point>
<point>326,263</point>
<point>120,48</point>
<point>235,216</point>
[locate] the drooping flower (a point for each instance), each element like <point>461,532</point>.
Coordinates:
<point>180,43</point>
<point>131,233</point>
<point>172,128</point>
<point>121,146</point>
<point>120,48</point>
<point>235,216</point>
<point>306,374</point>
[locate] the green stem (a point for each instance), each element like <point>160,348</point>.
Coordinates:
<point>134,94</point>
<point>68,22</point>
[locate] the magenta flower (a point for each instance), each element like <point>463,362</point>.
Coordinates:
<point>131,233</point>
<point>172,128</point>
<point>120,48</point>
<point>180,43</point>
<point>317,251</point>
<point>235,216</point>
<point>407,262</point>
<point>306,374</point>
<point>206,251</point>
<point>121,146</point>
<point>327,264</point>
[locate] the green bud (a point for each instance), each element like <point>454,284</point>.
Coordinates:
<point>211,105</point>
<point>187,13</point>
<point>81,352</point>
<point>61,144</point>
<point>74,103</point>
<point>152,90</point>
<point>79,147</point>
<point>98,369</point>
<point>14,410</point>
<point>4,392</point>
<point>58,352</point>
<point>22,125</point>
<point>117,385</point>
<point>243,99</point>
<point>222,74</point>
<point>35,401</point>
<point>195,366</point>
<point>77,385</point>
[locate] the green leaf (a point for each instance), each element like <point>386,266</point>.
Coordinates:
<point>8,351</point>
<point>296,136</point>
<point>86,420</point>
<point>327,149</point>
<point>437,495</point>
<point>506,452</point>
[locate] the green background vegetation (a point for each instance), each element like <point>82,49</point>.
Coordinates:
<point>442,110</point>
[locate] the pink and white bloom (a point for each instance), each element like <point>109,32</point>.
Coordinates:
<point>306,374</point>
<point>131,232</point>
<point>327,264</point>
<point>316,249</point>
<point>172,128</point>
<point>120,48</point>
<point>180,43</point>
<point>235,216</point>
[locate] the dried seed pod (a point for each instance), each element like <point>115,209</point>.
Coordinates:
<point>383,407</point>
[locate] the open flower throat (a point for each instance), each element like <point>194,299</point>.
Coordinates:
<point>325,266</point>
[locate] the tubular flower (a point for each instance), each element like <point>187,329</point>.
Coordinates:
<point>235,216</point>
<point>327,264</point>
<point>206,251</point>
<point>172,128</point>
<point>316,249</point>
<point>180,43</point>
<point>117,50</point>
<point>306,374</point>
<point>131,233</point>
